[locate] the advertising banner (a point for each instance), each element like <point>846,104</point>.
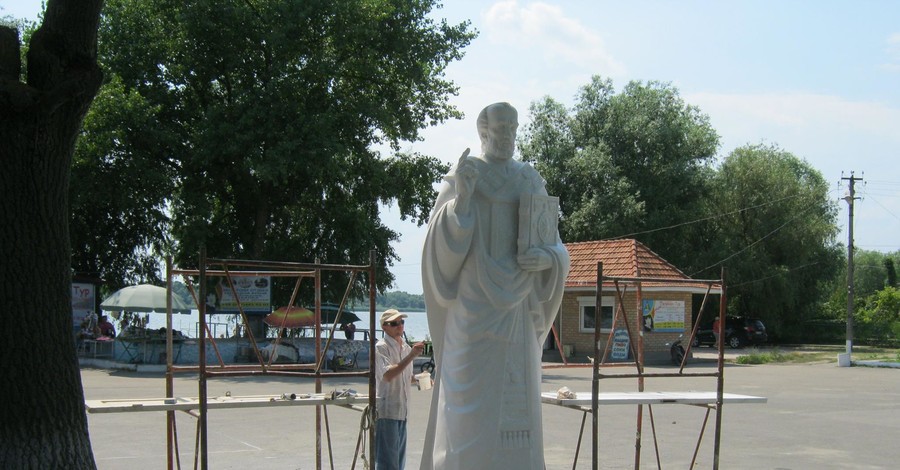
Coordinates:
<point>255,294</point>
<point>621,345</point>
<point>664,315</point>
<point>83,301</point>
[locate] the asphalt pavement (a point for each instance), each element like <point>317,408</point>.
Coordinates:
<point>818,416</point>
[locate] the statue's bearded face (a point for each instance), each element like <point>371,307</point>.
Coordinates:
<point>500,143</point>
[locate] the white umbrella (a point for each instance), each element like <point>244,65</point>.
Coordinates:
<point>143,298</point>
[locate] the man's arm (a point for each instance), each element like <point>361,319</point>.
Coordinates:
<point>394,370</point>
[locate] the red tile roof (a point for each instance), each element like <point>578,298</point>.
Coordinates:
<point>620,258</point>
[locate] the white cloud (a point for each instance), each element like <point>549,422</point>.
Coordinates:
<point>833,134</point>
<point>816,116</point>
<point>547,31</point>
<point>893,52</point>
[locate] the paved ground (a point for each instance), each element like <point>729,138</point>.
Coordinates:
<point>818,416</point>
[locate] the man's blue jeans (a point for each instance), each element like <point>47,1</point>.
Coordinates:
<point>390,444</point>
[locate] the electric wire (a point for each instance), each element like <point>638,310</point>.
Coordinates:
<point>704,219</point>
<point>773,232</point>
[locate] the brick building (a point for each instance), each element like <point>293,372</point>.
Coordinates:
<point>658,312</point>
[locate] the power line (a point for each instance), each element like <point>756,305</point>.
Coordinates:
<point>870,193</point>
<point>716,216</point>
<point>799,214</point>
<point>878,182</point>
<point>731,286</point>
<point>882,206</point>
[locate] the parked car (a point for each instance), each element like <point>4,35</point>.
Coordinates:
<point>739,332</point>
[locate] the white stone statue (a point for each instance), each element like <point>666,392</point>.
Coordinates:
<point>493,271</point>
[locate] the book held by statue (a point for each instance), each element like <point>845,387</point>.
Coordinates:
<point>538,221</point>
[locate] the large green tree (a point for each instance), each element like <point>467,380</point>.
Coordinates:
<point>776,230</point>
<point>639,164</point>
<point>596,200</point>
<point>42,418</point>
<point>123,177</point>
<point>870,273</point>
<point>626,164</point>
<point>268,113</point>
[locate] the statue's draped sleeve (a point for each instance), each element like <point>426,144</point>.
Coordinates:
<point>446,247</point>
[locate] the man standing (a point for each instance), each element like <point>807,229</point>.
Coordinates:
<point>491,297</point>
<point>349,330</point>
<point>393,377</point>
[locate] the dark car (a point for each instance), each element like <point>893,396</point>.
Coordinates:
<point>739,332</point>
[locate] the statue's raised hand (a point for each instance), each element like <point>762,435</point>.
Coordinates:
<point>466,174</point>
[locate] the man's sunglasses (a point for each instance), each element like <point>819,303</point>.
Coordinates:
<point>394,323</point>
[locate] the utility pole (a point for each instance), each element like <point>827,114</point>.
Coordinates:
<point>849,197</point>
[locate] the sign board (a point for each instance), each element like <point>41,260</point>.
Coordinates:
<point>663,315</point>
<point>83,302</point>
<point>621,346</point>
<point>254,293</point>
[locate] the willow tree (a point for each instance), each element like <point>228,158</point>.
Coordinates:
<point>42,423</point>
<point>776,228</point>
<point>271,111</point>
<point>634,163</point>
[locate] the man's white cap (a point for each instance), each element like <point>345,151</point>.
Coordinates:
<point>391,315</point>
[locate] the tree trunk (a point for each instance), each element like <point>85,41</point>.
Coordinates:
<point>42,418</point>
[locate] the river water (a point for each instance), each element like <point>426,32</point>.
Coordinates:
<point>416,324</point>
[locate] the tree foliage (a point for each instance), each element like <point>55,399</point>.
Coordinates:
<point>594,198</point>
<point>625,164</point>
<point>870,273</point>
<point>873,273</point>
<point>890,272</point>
<point>879,316</point>
<point>639,164</point>
<point>266,114</point>
<point>401,300</point>
<point>123,174</point>
<point>776,227</point>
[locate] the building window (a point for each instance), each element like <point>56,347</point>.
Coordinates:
<point>588,314</point>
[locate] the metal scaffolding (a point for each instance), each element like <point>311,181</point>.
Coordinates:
<point>230,269</point>
<point>709,401</point>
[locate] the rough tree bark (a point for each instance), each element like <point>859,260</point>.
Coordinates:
<point>42,419</point>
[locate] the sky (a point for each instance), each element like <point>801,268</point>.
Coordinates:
<point>819,79</point>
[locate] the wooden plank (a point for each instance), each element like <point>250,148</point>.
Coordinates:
<point>649,398</point>
<point>224,402</point>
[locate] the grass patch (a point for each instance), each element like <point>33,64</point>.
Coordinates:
<point>877,354</point>
<point>806,355</point>
<point>759,357</point>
